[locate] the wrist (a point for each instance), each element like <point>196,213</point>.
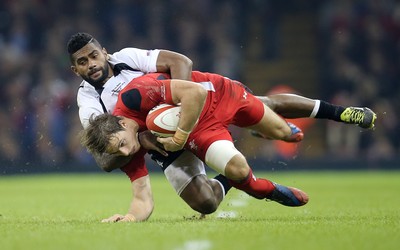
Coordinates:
<point>129,217</point>
<point>180,137</point>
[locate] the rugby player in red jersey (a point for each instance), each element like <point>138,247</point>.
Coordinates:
<point>209,105</point>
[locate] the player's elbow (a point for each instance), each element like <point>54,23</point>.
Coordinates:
<point>200,92</point>
<point>179,61</point>
<point>185,62</point>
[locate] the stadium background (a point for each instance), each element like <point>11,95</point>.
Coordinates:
<point>346,52</point>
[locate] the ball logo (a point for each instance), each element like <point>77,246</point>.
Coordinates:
<point>163,119</point>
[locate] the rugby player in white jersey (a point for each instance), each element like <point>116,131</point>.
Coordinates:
<point>104,75</point>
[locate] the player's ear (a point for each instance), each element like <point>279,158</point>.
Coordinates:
<point>105,53</point>
<point>122,121</point>
<point>73,68</point>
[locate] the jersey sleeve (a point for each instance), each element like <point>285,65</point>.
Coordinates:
<point>136,168</point>
<point>166,93</point>
<point>139,97</point>
<point>139,59</point>
<point>88,105</point>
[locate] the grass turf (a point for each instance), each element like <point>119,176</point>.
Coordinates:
<point>347,210</point>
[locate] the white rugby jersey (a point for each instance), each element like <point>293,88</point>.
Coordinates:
<point>128,63</point>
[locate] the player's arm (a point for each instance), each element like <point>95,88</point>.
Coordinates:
<point>149,141</point>
<point>178,65</point>
<point>191,97</point>
<point>142,203</point>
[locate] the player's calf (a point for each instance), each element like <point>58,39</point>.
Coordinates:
<point>296,135</point>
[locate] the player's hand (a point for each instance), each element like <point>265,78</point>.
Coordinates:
<point>114,218</point>
<point>120,218</point>
<point>149,141</point>
<point>169,144</point>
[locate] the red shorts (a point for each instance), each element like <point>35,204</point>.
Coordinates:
<point>229,104</point>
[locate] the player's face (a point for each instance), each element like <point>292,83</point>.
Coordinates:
<point>90,63</point>
<point>125,142</point>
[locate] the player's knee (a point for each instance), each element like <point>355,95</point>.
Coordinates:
<point>206,206</point>
<point>237,168</point>
<point>199,195</point>
<point>270,102</point>
<point>279,131</point>
<point>283,131</point>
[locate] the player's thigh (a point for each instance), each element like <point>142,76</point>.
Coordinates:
<point>199,192</point>
<point>223,157</point>
<point>271,125</point>
<point>219,153</point>
<point>183,169</point>
<point>188,177</point>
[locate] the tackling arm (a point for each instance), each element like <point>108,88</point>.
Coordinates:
<point>178,65</point>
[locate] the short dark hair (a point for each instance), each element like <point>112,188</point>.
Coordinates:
<point>79,40</point>
<point>96,137</point>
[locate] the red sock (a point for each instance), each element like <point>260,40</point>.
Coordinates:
<point>256,187</point>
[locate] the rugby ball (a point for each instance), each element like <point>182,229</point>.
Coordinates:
<point>163,119</point>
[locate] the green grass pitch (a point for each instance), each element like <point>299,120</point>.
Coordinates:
<point>347,210</point>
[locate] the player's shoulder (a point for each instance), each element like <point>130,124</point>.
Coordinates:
<point>127,51</point>
<point>86,91</point>
<point>84,86</point>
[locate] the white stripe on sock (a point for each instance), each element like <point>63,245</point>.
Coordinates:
<point>222,187</point>
<point>316,108</point>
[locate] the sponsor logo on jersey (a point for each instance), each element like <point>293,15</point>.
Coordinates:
<point>245,95</point>
<point>160,163</point>
<point>163,92</point>
<point>193,145</point>
<point>117,89</point>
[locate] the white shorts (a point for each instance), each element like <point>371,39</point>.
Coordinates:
<point>181,171</point>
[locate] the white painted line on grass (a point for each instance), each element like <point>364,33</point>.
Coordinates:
<point>227,214</point>
<point>196,245</point>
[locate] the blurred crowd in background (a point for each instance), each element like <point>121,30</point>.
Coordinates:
<point>357,57</point>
